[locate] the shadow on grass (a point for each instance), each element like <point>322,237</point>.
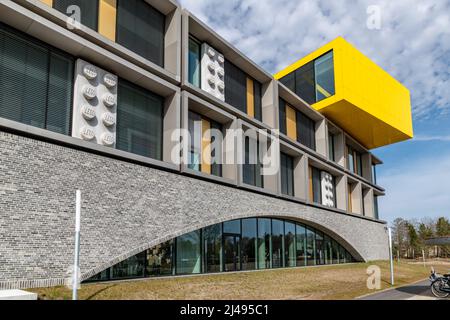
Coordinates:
<point>92,296</point>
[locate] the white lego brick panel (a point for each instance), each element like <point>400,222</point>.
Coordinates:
<point>94,104</point>
<point>327,189</point>
<point>213,72</point>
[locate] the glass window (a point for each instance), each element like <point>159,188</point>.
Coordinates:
<point>335,252</point>
<point>374,173</point>
<point>289,81</point>
<point>320,252</point>
<point>235,87</point>
<point>252,166</point>
<point>88,10</point>
<point>36,83</point>
<point>310,247</point>
<point>328,250</point>
<point>282,116</point>
<point>305,83</point>
<point>277,243</point>
<point>350,159</point>
<point>140,121</point>
<point>316,185</point>
<point>249,244</point>
<point>331,148</point>
<point>287,174</point>
<point>289,245</point>
<point>301,245</point>
<point>188,253</point>
<point>216,148</point>
<point>159,259</point>
<point>233,227</point>
<point>375,207</point>
<point>324,72</point>
<point>212,246</point>
<point>195,148</point>
<point>194,62</point>
<point>133,267</point>
<point>141,29</point>
<point>306,130</point>
<point>264,244</point>
<point>342,258</point>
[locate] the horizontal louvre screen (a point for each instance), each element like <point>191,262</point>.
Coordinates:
<point>88,10</point>
<point>235,87</point>
<point>140,28</point>
<point>139,121</point>
<point>35,83</point>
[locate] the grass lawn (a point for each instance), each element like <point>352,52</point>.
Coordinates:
<point>327,282</point>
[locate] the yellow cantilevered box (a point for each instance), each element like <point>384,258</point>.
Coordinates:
<point>369,104</point>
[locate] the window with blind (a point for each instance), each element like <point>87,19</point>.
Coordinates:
<point>236,90</point>
<point>287,174</point>
<point>140,28</point>
<point>35,82</point>
<point>88,10</point>
<point>252,166</point>
<point>306,130</point>
<point>139,121</point>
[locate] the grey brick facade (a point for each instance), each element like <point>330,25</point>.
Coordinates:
<point>126,209</point>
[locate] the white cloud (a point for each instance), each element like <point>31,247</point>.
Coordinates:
<point>413,43</point>
<point>432,138</point>
<point>418,189</point>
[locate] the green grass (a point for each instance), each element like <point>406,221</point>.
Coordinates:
<point>327,282</point>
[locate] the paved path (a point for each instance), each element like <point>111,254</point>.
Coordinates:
<point>417,291</point>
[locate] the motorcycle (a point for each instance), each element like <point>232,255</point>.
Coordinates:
<point>440,284</point>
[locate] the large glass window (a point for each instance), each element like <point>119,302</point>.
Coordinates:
<point>306,130</point>
<point>287,174</point>
<point>310,247</point>
<point>354,161</point>
<point>243,244</point>
<point>141,28</point>
<point>331,147</point>
<point>315,185</point>
<point>237,90</point>
<point>195,148</point>
<point>374,173</point>
<point>320,252</point>
<point>212,246</point>
<point>249,244</point>
<point>194,62</point>
<point>282,116</point>
<point>264,244</point>
<point>289,245</point>
<point>140,121</point>
<point>301,245</point>
<point>159,259</point>
<point>277,243</point>
<point>252,166</point>
<point>314,81</point>
<point>36,82</point>
<point>188,253</point>
<point>133,267</point>
<point>375,207</point>
<point>88,10</point>
<point>324,72</point>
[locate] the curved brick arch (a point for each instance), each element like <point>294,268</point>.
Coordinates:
<point>128,208</point>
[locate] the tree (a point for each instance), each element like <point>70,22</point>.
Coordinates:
<point>442,227</point>
<point>400,237</point>
<point>413,239</point>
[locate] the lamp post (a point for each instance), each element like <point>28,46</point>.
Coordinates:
<point>390,255</point>
<point>77,246</point>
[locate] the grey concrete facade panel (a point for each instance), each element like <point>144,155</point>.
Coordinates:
<point>126,209</point>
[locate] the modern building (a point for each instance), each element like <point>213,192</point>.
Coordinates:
<point>190,157</point>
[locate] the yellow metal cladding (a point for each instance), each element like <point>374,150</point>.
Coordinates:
<point>48,2</point>
<point>291,123</point>
<point>107,13</point>
<point>250,98</point>
<point>206,146</point>
<point>369,104</point>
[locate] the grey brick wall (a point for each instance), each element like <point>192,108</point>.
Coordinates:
<point>126,209</point>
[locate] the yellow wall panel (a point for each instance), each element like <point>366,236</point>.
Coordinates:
<point>291,123</point>
<point>250,98</point>
<point>107,18</point>
<point>206,146</point>
<point>48,2</point>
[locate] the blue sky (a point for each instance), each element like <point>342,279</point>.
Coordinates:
<point>412,44</point>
